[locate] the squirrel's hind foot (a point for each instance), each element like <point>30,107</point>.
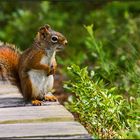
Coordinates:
<point>36,103</point>
<point>51,98</point>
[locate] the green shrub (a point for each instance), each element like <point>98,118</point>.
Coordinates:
<point>118,68</point>
<point>106,101</point>
<point>99,108</point>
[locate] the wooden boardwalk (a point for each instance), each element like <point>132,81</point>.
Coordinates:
<point>50,121</point>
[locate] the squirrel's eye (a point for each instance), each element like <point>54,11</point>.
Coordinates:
<point>54,39</point>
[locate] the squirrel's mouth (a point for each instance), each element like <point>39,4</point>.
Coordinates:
<point>60,47</point>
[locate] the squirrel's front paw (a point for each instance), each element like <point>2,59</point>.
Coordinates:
<point>52,70</point>
<point>36,103</point>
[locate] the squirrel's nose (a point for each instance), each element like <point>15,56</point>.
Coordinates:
<point>65,42</point>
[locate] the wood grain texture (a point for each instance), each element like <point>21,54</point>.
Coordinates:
<point>10,96</point>
<point>42,129</point>
<point>85,137</point>
<point>8,89</point>
<point>19,119</point>
<point>8,102</point>
<point>34,113</point>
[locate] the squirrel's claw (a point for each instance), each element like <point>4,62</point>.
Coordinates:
<point>36,103</point>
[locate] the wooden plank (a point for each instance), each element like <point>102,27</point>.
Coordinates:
<point>10,96</point>
<point>16,100</point>
<point>42,129</point>
<point>11,100</point>
<point>2,85</point>
<point>22,120</point>
<point>34,113</point>
<point>7,89</point>
<point>75,137</point>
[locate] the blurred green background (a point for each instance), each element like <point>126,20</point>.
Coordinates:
<point>115,24</point>
<point>103,35</point>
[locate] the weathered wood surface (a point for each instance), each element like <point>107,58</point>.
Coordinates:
<point>42,129</point>
<point>38,113</point>
<point>22,120</point>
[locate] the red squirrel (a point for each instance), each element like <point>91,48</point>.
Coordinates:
<point>33,70</point>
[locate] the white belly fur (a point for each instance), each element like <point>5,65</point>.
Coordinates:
<point>41,83</point>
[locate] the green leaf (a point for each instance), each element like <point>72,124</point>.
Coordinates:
<point>89,28</point>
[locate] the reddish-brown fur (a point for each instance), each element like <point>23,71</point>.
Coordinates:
<point>30,60</point>
<point>9,58</point>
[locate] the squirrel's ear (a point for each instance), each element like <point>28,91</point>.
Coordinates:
<point>44,29</point>
<point>43,32</point>
<point>48,26</point>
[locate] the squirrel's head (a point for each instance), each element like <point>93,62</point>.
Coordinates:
<point>50,39</point>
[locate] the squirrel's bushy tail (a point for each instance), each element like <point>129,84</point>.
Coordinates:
<point>9,58</point>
